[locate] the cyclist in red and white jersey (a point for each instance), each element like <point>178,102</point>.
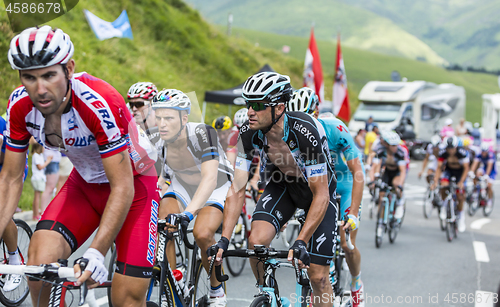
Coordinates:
<point>113,183</point>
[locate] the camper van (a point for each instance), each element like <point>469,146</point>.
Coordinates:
<point>418,108</point>
<point>491,119</point>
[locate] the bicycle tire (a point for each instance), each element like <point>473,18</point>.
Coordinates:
<point>343,277</point>
<point>449,225</point>
<point>393,231</point>
<point>306,292</point>
<point>17,296</point>
<point>111,271</point>
<point>487,211</point>
<point>236,265</point>
<point>260,301</point>
<point>428,203</point>
<point>202,286</point>
<point>473,206</point>
<point>378,238</point>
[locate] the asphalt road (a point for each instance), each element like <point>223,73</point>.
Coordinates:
<point>420,269</point>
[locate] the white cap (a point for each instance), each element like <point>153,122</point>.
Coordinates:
<point>448,121</point>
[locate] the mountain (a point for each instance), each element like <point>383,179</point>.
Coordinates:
<point>360,28</point>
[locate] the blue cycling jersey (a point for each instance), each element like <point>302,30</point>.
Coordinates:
<point>490,157</point>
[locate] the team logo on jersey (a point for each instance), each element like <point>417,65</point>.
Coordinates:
<point>292,144</point>
<point>279,215</point>
<point>317,171</point>
<point>341,128</point>
<point>153,225</point>
<point>306,132</point>
<point>100,107</point>
<point>202,133</point>
<point>265,200</point>
<point>18,94</point>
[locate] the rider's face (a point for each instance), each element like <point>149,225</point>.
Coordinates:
<point>47,86</point>
<point>451,151</point>
<point>259,119</point>
<point>168,122</point>
<point>393,148</point>
<point>139,108</point>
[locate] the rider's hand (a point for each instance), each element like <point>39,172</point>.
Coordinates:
<point>174,219</point>
<point>434,186</point>
<point>302,255</point>
<point>220,247</point>
<point>460,185</point>
<point>419,175</point>
<point>352,223</point>
<point>93,261</point>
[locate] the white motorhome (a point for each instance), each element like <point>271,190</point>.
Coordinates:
<point>491,119</point>
<point>420,106</point>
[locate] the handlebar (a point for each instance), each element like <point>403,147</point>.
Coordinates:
<point>47,270</point>
<point>162,224</point>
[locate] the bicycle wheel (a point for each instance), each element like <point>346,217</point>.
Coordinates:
<point>17,296</point>
<point>343,278</point>
<point>393,230</point>
<point>487,210</point>
<point>450,227</point>
<point>428,203</point>
<point>111,270</point>
<point>290,232</point>
<point>202,286</point>
<point>473,206</point>
<point>260,301</point>
<point>379,228</point>
<point>239,240</point>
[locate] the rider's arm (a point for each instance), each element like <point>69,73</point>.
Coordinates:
<point>438,171</point>
<point>466,165</point>
<point>11,185</point>
<point>475,164</point>
<point>489,167</point>
<point>118,170</point>
<point>357,184</point>
<point>231,156</point>
<point>319,204</point>
<point>208,183</point>
<point>234,202</point>
<point>424,164</point>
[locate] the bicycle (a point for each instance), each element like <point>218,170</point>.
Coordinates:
<point>239,239</point>
<point>389,223</point>
<point>292,229</point>
<point>57,275</point>
<point>450,203</point>
<point>432,200</point>
<point>17,296</point>
<point>479,197</point>
<point>374,190</point>
<point>269,291</point>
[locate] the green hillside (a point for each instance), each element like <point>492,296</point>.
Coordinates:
<point>362,29</point>
<point>363,66</point>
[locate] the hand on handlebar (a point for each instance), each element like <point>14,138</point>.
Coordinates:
<point>218,249</point>
<point>352,223</point>
<point>95,272</point>
<point>176,219</point>
<point>299,251</point>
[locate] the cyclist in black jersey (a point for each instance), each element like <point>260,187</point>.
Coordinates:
<point>294,145</point>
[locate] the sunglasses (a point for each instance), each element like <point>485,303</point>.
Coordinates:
<point>137,104</point>
<point>258,106</point>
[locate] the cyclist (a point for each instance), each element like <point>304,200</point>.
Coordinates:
<point>139,97</point>
<point>488,161</point>
<point>113,183</point>
<point>455,160</point>
<point>430,159</point>
<point>390,154</point>
<point>223,125</point>
<point>301,176</point>
<point>200,175</point>
<point>349,171</point>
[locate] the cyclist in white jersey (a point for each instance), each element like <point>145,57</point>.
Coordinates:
<point>431,157</point>
<point>200,175</point>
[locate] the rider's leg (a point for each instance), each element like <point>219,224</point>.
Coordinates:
<point>430,175</point>
<point>169,205</point>
<point>262,233</point>
<point>208,221</point>
<point>322,289</point>
<point>129,291</point>
<point>10,236</point>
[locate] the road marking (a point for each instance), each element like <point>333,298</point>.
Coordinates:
<point>100,301</point>
<point>477,224</point>
<point>480,251</point>
<point>240,300</point>
<point>484,299</point>
<point>413,165</point>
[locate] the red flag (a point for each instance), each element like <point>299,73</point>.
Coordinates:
<point>340,95</point>
<point>313,73</point>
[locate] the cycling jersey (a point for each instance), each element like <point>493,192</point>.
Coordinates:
<point>232,140</point>
<point>202,143</point>
<point>3,126</point>
<point>96,124</point>
<point>490,157</point>
<point>391,162</point>
<point>342,149</point>
<point>453,168</point>
<point>306,140</point>
<point>432,160</point>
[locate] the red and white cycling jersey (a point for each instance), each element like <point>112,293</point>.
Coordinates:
<point>95,125</point>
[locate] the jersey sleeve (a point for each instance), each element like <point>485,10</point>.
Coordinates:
<point>463,155</point>
<point>16,134</point>
<point>346,143</point>
<point>208,141</point>
<point>246,151</point>
<point>313,146</point>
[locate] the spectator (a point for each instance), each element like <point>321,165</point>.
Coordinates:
<point>371,136</point>
<point>369,124</point>
<point>461,129</point>
<point>38,178</point>
<point>65,168</point>
<point>52,175</point>
<point>447,130</point>
<point>476,135</point>
<point>359,140</point>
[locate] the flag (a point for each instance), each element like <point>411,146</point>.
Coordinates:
<point>340,99</point>
<point>105,29</point>
<point>313,73</point>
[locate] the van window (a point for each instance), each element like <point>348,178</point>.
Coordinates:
<point>429,113</point>
<point>380,112</point>
<point>408,112</point>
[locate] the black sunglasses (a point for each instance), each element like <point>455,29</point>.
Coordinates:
<point>257,106</point>
<point>137,104</point>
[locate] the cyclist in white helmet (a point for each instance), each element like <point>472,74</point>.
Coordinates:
<point>301,176</point>
<point>113,187</point>
<point>349,171</point>
<point>431,156</point>
<point>200,176</point>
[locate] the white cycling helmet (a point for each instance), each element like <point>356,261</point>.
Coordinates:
<point>240,117</point>
<point>268,86</point>
<point>39,47</point>
<point>485,147</point>
<point>390,137</point>
<point>303,100</point>
<point>451,142</point>
<point>144,90</point>
<point>171,99</point>
<point>435,140</point>
<point>326,115</point>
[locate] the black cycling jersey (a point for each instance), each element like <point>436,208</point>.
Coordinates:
<point>461,154</point>
<point>390,164</point>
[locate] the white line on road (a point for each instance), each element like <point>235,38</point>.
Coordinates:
<point>480,251</point>
<point>484,299</point>
<point>477,224</point>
